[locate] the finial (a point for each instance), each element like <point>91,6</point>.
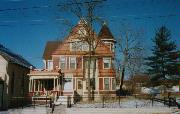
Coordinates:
<point>82,21</point>
<point>104,22</point>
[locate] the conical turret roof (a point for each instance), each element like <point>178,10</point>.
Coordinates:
<point>105,33</point>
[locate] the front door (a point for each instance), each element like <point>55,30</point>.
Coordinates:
<point>80,87</point>
<point>1,95</point>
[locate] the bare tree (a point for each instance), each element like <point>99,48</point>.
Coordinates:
<point>84,10</point>
<point>129,47</point>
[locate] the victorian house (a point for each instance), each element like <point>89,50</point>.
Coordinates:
<point>66,65</point>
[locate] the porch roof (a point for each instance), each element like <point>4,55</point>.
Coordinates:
<point>43,74</point>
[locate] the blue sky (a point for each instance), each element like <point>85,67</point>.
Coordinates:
<point>25,29</point>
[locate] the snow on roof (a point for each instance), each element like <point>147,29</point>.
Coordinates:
<point>14,58</point>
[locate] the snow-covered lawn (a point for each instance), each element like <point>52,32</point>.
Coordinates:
<point>131,103</point>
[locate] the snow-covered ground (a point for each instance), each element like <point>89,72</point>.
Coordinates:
<point>133,103</point>
<point>27,110</point>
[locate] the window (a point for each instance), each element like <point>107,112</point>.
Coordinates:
<point>76,46</point>
<point>112,47</point>
<point>87,64</point>
<point>85,46</point>
<point>79,84</point>
<point>63,62</point>
<point>72,62</point>
<point>50,65</point>
<point>79,46</point>
<point>113,84</point>
<point>113,63</point>
<point>106,83</point>
<point>86,84</point>
<point>107,62</point>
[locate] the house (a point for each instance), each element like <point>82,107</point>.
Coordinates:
<point>71,57</point>
<point>138,81</point>
<point>13,77</point>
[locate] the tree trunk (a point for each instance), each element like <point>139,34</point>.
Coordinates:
<point>89,68</point>
<point>93,80</point>
<point>122,79</point>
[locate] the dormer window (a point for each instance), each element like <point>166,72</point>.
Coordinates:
<point>82,32</point>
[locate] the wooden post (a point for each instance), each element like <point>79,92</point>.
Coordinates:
<point>103,102</point>
<point>169,102</point>
<point>119,100</point>
<point>152,101</point>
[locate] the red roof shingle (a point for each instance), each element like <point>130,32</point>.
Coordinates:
<point>105,33</point>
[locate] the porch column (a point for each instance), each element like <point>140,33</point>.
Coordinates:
<point>34,85</point>
<point>54,83</point>
<point>38,84</point>
<point>29,84</point>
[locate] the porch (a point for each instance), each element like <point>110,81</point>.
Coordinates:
<point>45,83</point>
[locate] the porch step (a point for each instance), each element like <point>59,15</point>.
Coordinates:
<point>62,100</point>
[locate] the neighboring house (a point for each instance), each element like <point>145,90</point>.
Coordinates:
<point>13,77</point>
<point>139,81</point>
<point>71,55</point>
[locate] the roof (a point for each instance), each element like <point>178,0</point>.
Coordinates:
<point>140,78</point>
<point>13,57</point>
<point>105,33</point>
<point>50,47</point>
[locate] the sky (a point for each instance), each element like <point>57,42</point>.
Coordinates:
<point>26,25</point>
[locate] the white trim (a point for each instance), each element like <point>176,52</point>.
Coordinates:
<point>104,39</point>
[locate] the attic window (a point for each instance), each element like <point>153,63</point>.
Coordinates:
<point>79,46</point>
<point>82,32</point>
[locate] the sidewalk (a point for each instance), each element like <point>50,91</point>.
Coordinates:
<point>27,110</point>
<point>118,111</point>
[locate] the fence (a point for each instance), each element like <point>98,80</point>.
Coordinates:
<point>169,101</point>
<point>21,102</point>
<point>135,101</point>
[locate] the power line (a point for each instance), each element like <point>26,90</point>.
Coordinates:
<point>48,6</point>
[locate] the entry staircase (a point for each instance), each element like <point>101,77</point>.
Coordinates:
<point>63,100</point>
